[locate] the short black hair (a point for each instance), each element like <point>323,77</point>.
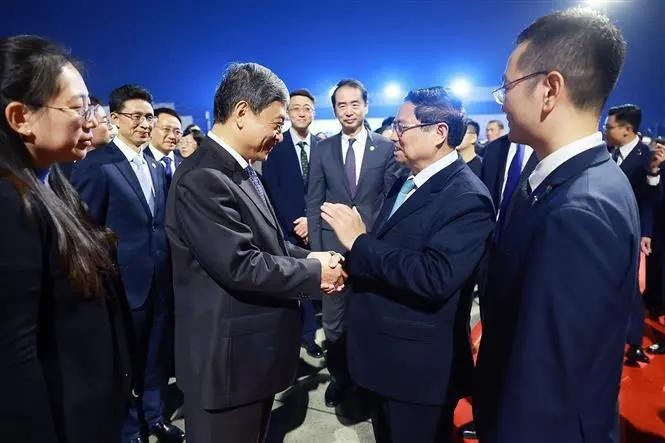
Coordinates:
<point>353,83</point>
<point>627,114</point>
<point>302,93</point>
<point>189,128</point>
<point>388,121</point>
<point>584,46</point>
<point>168,111</point>
<point>499,123</point>
<point>438,104</point>
<point>95,101</point>
<point>124,93</point>
<point>468,122</point>
<point>250,82</point>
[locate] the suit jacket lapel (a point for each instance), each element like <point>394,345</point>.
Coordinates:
<point>127,171</point>
<point>158,182</point>
<point>631,160</point>
<point>294,158</point>
<point>369,156</point>
<point>422,195</point>
<point>503,160</point>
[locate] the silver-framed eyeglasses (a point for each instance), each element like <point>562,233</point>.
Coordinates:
<point>84,112</point>
<point>500,92</point>
<point>138,117</point>
<point>400,128</point>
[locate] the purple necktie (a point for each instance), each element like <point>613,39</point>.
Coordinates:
<point>350,167</point>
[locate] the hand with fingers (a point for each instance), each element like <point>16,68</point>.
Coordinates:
<point>346,222</point>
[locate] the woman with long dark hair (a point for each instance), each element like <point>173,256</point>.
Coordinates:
<point>63,361</point>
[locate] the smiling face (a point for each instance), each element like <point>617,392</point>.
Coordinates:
<point>61,135</point>
<point>301,112</point>
<point>134,121</point>
<point>350,109</point>
<point>166,133</point>
<point>263,131</point>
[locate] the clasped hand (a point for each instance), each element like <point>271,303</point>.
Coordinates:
<point>333,275</point>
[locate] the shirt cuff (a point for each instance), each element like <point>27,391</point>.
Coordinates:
<point>653,181</point>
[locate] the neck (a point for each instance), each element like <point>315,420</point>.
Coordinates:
<point>440,153</point>
<point>467,154</point>
<point>577,126</point>
<point>229,137</point>
<point>352,132</point>
<point>130,144</point>
<point>302,132</point>
<point>164,151</point>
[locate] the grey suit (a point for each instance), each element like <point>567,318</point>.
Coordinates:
<point>327,183</point>
<point>235,282</point>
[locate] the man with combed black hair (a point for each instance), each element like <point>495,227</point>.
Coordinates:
<point>563,269</point>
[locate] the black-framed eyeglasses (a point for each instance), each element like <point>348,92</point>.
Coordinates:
<point>86,113</point>
<point>137,117</point>
<point>500,92</point>
<point>400,128</point>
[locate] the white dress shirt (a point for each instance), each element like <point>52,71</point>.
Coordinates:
<point>562,155</point>
<point>430,171</point>
<point>241,161</point>
<point>131,154</point>
<point>308,143</point>
<point>159,156</point>
<point>358,149</point>
<point>624,152</point>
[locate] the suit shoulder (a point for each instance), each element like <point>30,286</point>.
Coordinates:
<point>383,142</point>
<point>96,157</point>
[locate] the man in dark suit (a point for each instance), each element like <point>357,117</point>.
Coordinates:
<point>164,140</point>
<point>408,317</point>
<point>237,282</point>
<point>286,174</point>
<point>355,168</point>
<point>563,271</point>
<point>124,190</point>
<point>634,158</point>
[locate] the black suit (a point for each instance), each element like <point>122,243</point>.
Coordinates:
<point>635,166</point>
<point>64,366</point>
<point>286,186</point>
<point>107,183</point>
<point>328,183</point>
<point>236,285</point>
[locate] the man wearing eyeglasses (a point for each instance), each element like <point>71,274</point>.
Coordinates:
<point>166,135</point>
<point>563,268</point>
<point>125,191</point>
<point>408,315</point>
<point>286,175</point>
<point>355,168</point>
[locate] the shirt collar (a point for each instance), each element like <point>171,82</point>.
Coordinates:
<point>239,158</point>
<point>421,178</point>
<point>547,165</point>
<point>628,147</point>
<point>159,155</point>
<point>361,139</point>
<point>129,153</point>
<point>296,137</point>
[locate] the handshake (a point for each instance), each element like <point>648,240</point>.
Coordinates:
<point>333,275</point>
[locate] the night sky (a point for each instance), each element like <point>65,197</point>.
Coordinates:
<point>178,49</point>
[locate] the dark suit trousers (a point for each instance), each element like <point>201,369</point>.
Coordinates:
<point>150,339</point>
<point>308,318</point>
<point>242,424</point>
<point>636,321</point>
<point>399,422</point>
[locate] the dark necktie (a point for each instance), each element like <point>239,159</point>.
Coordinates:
<point>256,183</point>
<point>168,173</point>
<point>616,155</point>
<point>304,161</point>
<point>513,179</point>
<point>350,167</point>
